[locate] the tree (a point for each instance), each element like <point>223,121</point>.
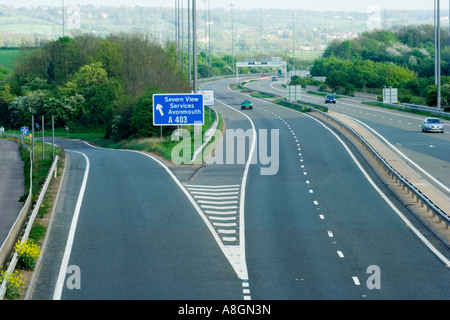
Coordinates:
<point>64,108</point>
<point>99,92</point>
<point>142,119</point>
<point>396,75</point>
<point>147,64</point>
<point>22,108</point>
<point>5,117</point>
<point>89,76</point>
<point>109,55</point>
<point>93,82</point>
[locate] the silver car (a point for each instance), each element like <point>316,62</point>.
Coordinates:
<point>432,125</point>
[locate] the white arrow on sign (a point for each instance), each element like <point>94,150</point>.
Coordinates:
<point>159,108</point>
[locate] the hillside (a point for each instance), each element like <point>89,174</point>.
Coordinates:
<point>402,58</point>
<point>313,30</point>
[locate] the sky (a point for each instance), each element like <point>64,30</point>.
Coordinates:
<point>319,5</point>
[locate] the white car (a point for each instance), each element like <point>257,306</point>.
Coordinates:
<point>432,125</point>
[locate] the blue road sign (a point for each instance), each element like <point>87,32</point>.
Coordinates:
<point>178,109</point>
<point>24,131</point>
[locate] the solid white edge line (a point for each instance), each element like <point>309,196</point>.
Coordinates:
<point>243,274</point>
<point>243,188</point>
<point>381,193</point>
<point>445,260</point>
<point>191,199</point>
<point>414,229</point>
<point>402,154</point>
<point>63,269</point>
<point>188,195</point>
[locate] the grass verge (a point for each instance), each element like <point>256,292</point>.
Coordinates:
<point>43,159</point>
<point>156,145</point>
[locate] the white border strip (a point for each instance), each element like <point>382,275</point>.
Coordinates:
<point>242,272</point>
<point>63,269</point>
<point>402,155</point>
<point>444,259</point>
<point>381,193</point>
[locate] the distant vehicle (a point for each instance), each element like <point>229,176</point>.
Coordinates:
<point>432,125</point>
<point>330,99</point>
<point>263,74</point>
<point>274,78</point>
<point>246,104</point>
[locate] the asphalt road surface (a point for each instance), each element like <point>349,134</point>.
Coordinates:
<point>428,152</point>
<point>12,186</point>
<point>295,214</point>
<point>137,235</point>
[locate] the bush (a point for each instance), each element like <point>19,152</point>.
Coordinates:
<point>142,119</point>
<point>14,283</point>
<point>28,253</point>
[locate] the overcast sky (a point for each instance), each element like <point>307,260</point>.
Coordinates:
<point>327,5</point>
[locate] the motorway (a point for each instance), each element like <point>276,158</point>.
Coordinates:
<point>428,153</point>
<point>297,214</point>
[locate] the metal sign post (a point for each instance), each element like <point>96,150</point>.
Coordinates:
<point>43,143</point>
<point>208,100</point>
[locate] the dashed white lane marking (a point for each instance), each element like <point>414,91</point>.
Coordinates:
<point>316,203</point>
<point>246,290</point>
<point>330,234</point>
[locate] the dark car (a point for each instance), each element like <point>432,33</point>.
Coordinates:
<point>330,99</point>
<point>246,104</point>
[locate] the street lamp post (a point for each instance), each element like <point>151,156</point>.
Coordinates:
<point>232,39</point>
<point>293,38</point>
<point>63,18</point>
<point>437,17</point>
<point>194,44</point>
<point>189,44</point>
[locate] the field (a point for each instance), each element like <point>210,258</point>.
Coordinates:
<point>8,56</point>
